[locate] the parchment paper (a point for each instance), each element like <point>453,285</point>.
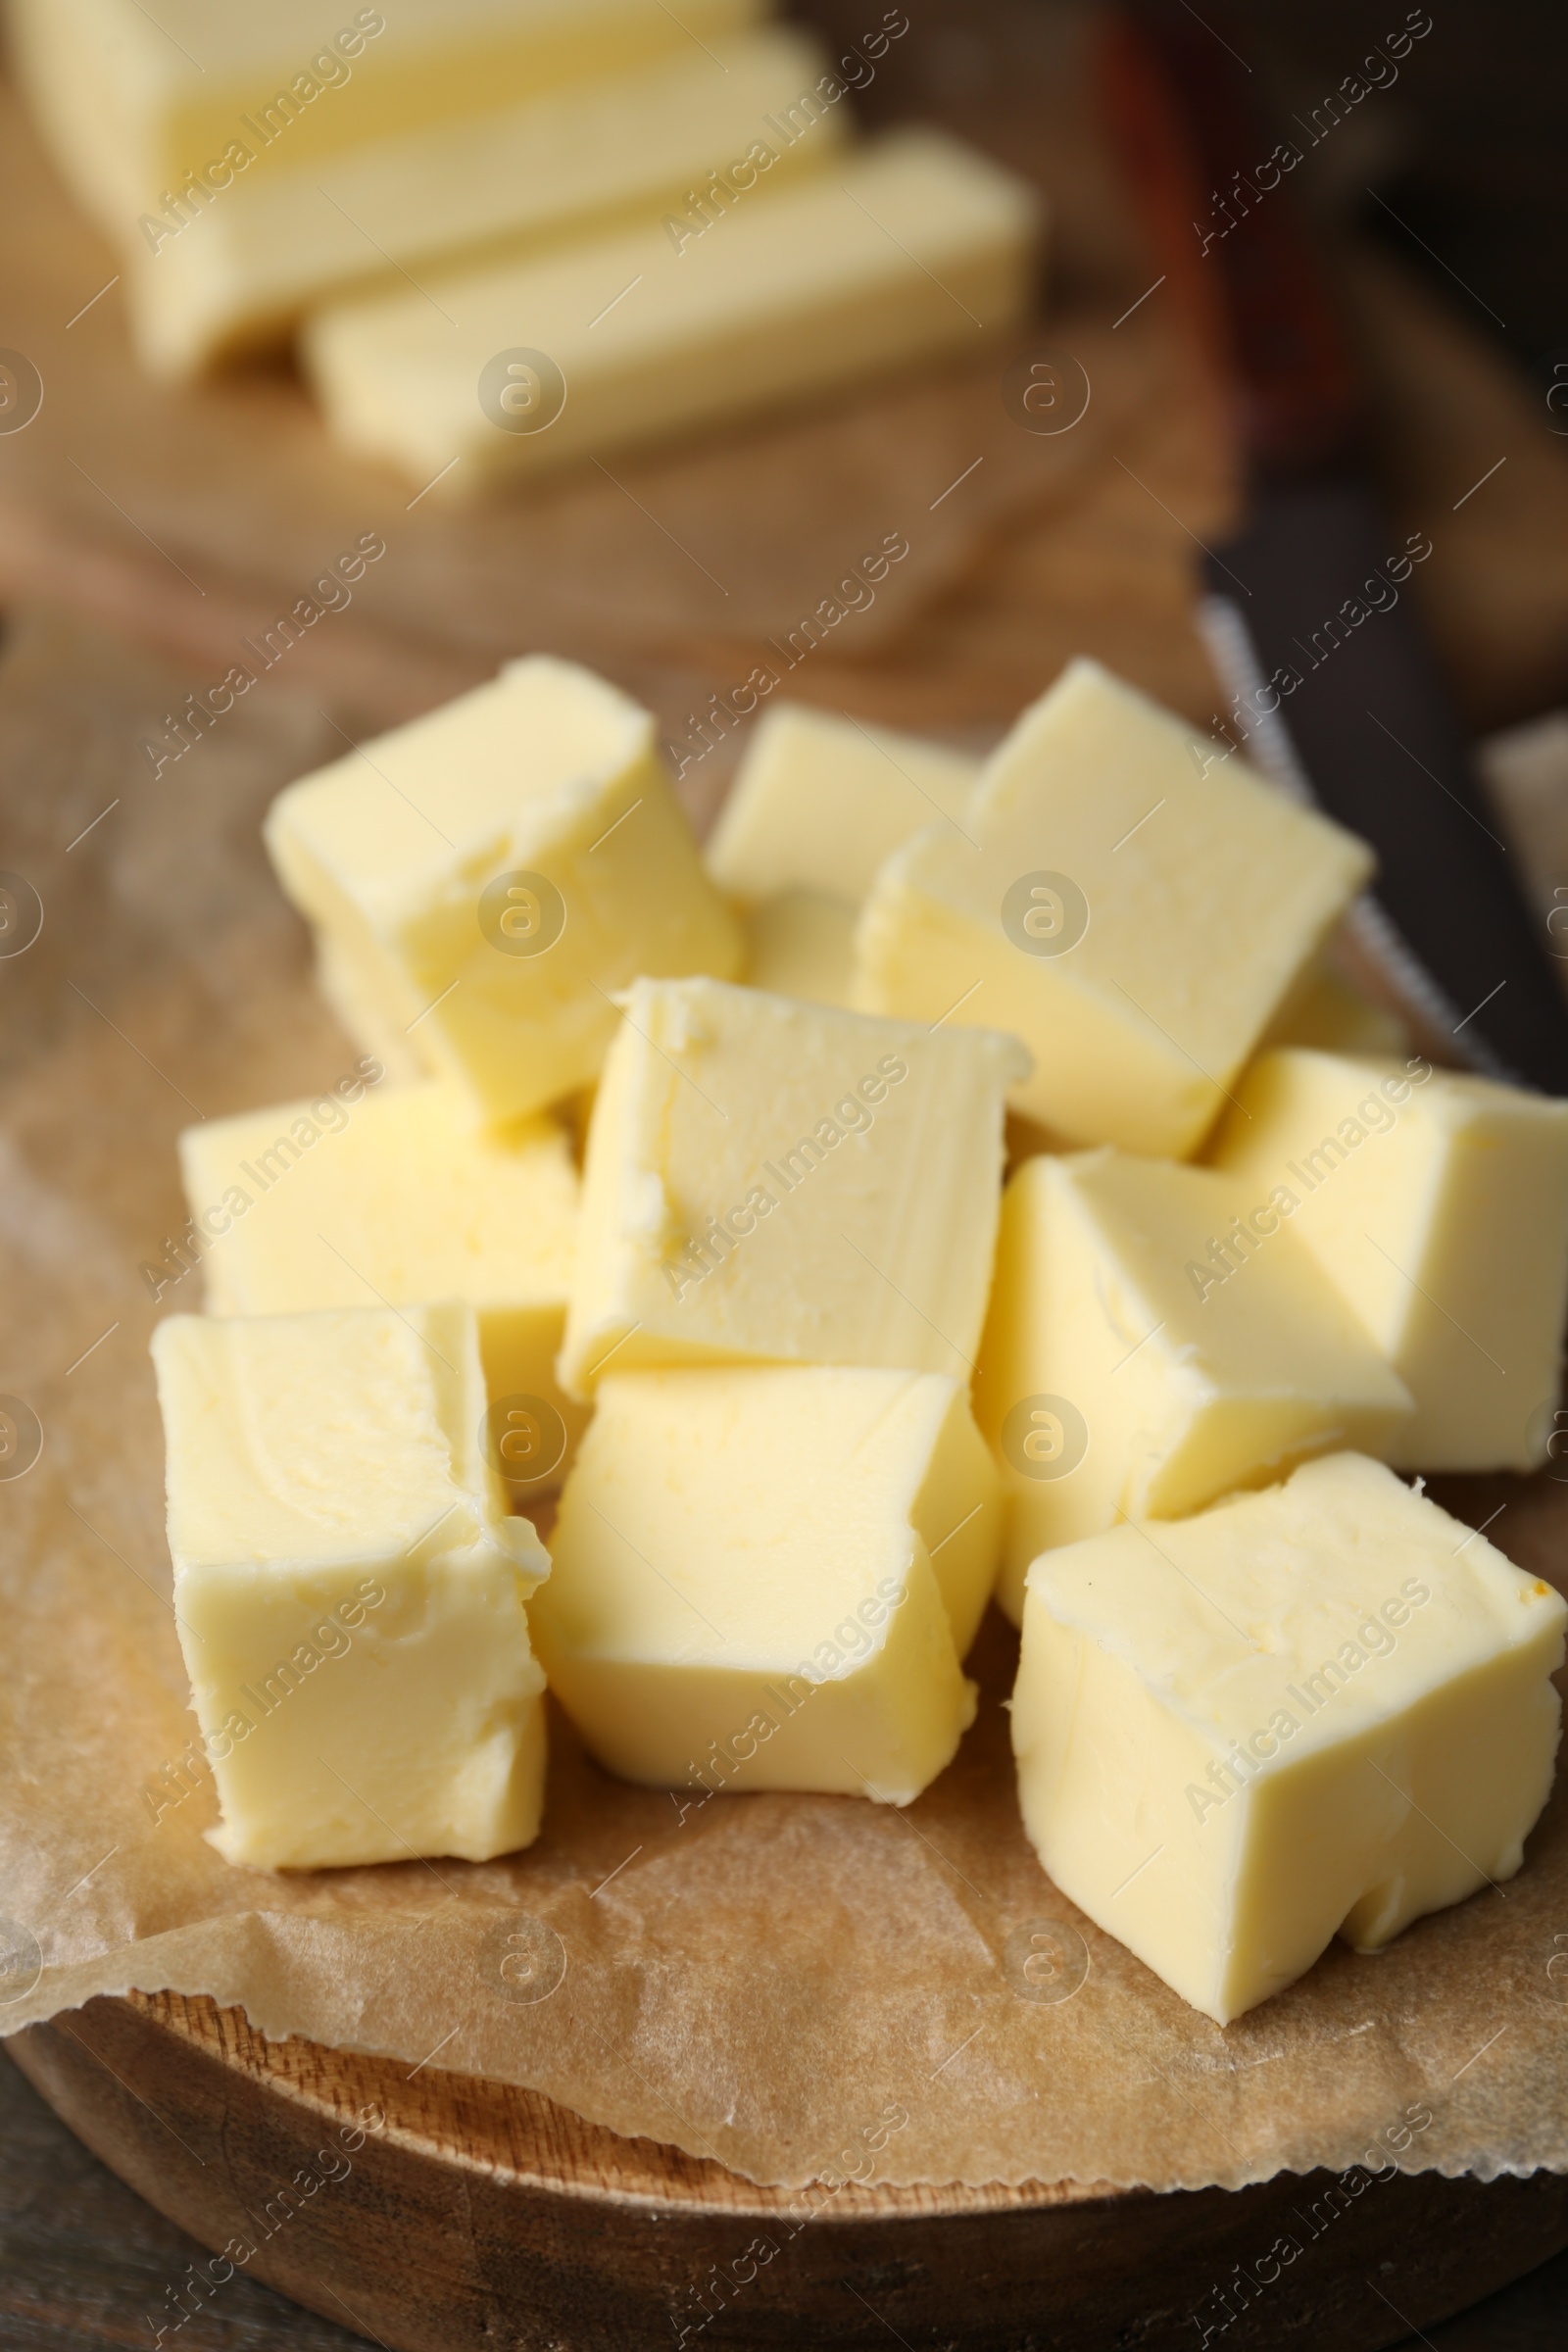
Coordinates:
<point>762,1981</point>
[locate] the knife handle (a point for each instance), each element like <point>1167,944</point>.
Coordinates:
<point>1211,186</point>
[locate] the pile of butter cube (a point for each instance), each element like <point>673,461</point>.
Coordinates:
<point>499,237</point>
<point>668,1191</point>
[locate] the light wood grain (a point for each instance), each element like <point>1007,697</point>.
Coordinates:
<point>473,2215</point>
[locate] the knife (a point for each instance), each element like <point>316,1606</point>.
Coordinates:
<point>1310,617</point>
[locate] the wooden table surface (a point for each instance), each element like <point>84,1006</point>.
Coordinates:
<point>83,2261</point>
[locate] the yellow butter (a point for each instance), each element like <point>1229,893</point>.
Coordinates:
<point>1325,1011</point>
<point>766,1578</point>
<point>591,159</point>
<point>184,101</point>
<point>349,1592</point>
<point>1134,911</point>
<point>489,874</point>
<point>1438,1205</point>
<point>1121,1376</point>
<point>821,802</point>
<point>388,1201</point>
<point>1321,1710</point>
<point>802,944</point>
<point>772,1180</point>
<point>352,995</point>
<point>918,248</point>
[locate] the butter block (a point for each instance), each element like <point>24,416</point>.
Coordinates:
<point>913,250</point>
<point>390,1200</point>
<point>351,996</point>
<point>768,1180</point>
<point>1438,1206</point>
<point>1326,1011</point>
<point>349,1592</point>
<point>598,156</point>
<point>820,803</point>
<point>1122,1375</point>
<point>766,1578</point>
<point>802,944</point>
<point>166,110</point>
<point>1324,1710</point>
<point>490,874</point>
<point>1133,910</point>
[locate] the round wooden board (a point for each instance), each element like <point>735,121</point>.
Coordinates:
<point>436,2213</point>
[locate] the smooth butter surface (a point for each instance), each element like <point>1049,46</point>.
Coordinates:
<point>356,994</point>
<point>1328,1012</point>
<point>348,1588</point>
<point>394,1199</point>
<point>586,160</point>
<point>821,802</point>
<point>896,254</point>
<point>1132,914</point>
<point>1122,1376</point>
<point>772,1180</point>
<point>1438,1206</point>
<point>1323,1709</point>
<point>132,100</point>
<point>766,1578</point>
<point>802,944</point>
<point>544,791</point>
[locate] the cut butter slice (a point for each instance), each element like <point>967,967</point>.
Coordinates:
<point>802,944</point>
<point>819,802</point>
<point>917,249</point>
<point>1321,1710</point>
<point>594,158</point>
<point>489,874</point>
<point>349,1592</point>
<point>1438,1206</point>
<point>136,103</point>
<point>1132,908</point>
<point>1327,1011</point>
<point>1122,1376</point>
<point>389,1201</point>
<point>365,1014</point>
<point>768,1180</point>
<point>766,1578</point>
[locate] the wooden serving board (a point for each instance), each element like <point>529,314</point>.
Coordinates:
<point>435,2213</point>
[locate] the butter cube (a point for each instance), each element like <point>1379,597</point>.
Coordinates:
<point>348,1588</point>
<point>1130,907</point>
<point>802,944</point>
<point>817,806</point>
<point>167,107</point>
<point>768,1180</point>
<point>1321,1710</point>
<point>595,155</point>
<point>1326,1011</point>
<point>1438,1206</point>
<point>491,873</point>
<point>765,1579</point>
<point>820,803</point>
<point>1123,1375</point>
<point>389,1201</point>
<point>743,302</point>
<point>362,1014</point>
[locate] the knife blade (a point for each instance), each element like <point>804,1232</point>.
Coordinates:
<point>1334,690</point>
